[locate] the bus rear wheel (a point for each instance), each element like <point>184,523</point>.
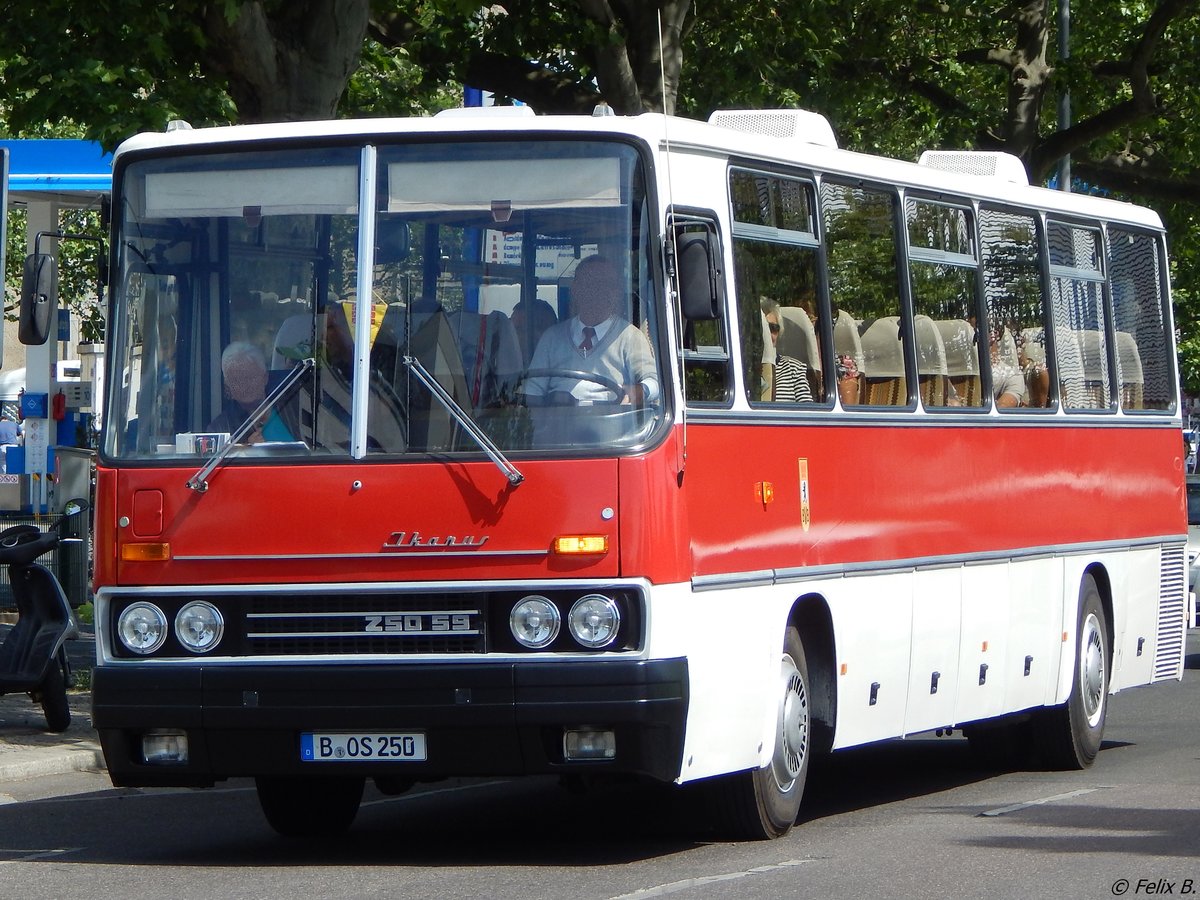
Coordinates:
<point>1069,735</point>
<point>763,804</point>
<point>309,807</point>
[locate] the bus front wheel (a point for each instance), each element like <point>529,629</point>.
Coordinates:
<point>1069,735</point>
<point>763,804</point>
<point>309,807</point>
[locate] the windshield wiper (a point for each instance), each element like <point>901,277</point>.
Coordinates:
<point>464,419</point>
<point>199,481</point>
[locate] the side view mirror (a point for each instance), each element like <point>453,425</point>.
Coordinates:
<point>700,286</point>
<point>39,298</point>
<point>71,509</point>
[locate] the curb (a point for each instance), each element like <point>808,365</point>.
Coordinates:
<point>28,750</point>
<point>74,756</point>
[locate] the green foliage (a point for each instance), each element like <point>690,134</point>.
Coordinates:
<point>388,83</point>
<point>115,69</point>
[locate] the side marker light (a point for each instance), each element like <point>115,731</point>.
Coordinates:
<point>581,544</point>
<point>155,552</point>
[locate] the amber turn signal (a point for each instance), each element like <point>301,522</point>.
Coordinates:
<point>580,544</point>
<point>156,552</point>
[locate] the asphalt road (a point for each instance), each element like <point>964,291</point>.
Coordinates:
<point>913,818</point>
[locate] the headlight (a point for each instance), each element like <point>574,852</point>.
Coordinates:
<point>594,621</point>
<point>199,626</point>
<point>142,628</point>
<point>534,622</point>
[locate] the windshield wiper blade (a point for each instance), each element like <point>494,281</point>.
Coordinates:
<point>199,481</point>
<point>464,419</point>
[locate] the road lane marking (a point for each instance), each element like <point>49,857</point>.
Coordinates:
<point>676,886</point>
<point>1004,810</point>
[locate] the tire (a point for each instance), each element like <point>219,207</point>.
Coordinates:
<point>763,804</point>
<point>1069,735</point>
<point>309,807</point>
<point>52,694</point>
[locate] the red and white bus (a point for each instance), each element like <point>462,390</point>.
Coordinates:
<point>909,459</point>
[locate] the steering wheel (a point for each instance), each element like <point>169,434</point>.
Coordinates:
<point>618,390</point>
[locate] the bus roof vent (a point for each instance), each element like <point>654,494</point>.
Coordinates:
<point>793,124</point>
<point>1004,166</point>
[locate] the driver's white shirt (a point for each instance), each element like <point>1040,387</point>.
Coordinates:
<point>588,392</point>
<point>623,356</point>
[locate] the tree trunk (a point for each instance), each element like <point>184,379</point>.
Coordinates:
<point>289,65</point>
<point>637,66</point>
<point>1028,79</point>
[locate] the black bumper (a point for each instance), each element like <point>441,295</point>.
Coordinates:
<point>479,719</point>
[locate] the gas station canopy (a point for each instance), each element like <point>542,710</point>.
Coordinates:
<point>54,170</point>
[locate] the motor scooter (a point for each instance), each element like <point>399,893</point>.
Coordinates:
<point>33,656</point>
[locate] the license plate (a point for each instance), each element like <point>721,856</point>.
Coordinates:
<point>360,747</point>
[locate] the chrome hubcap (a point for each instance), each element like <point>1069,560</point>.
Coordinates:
<point>792,744</point>
<point>1091,669</point>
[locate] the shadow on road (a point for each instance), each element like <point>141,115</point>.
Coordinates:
<point>535,822</point>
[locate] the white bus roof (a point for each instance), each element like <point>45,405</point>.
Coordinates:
<point>811,146</point>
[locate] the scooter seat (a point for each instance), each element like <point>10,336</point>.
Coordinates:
<point>22,544</point>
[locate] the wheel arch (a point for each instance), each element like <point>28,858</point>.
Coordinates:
<point>811,617</point>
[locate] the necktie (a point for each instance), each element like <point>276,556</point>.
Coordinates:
<point>589,334</point>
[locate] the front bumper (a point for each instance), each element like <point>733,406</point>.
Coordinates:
<point>479,719</point>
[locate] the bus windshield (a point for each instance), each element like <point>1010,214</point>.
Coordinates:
<point>237,267</point>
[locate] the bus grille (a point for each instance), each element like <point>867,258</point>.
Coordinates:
<point>358,624</point>
<point>1168,653</point>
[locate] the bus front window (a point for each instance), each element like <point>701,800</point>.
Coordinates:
<point>236,267</point>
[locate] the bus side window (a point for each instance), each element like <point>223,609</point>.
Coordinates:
<point>1015,311</point>
<point>1137,275</point>
<point>860,235</point>
<point>1077,299</point>
<point>775,271</point>
<point>943,277</point>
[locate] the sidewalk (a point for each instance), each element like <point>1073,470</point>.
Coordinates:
<point>27,750</point>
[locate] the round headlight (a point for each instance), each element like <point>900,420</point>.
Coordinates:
<point>199,626</point>
<point>594,620</point>
<point>142,628</point>
<point>534,622</point>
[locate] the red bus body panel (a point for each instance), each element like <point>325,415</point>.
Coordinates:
<point>270,524</point>
<point>926,492</point>
<point>896,493</point>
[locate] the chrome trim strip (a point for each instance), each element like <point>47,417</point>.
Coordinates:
<point>793,574</point>
<point>367,612</point>
<point>824,416</point>
<point>394,554</point>
<point>370,588</point>
<point>262,635</point>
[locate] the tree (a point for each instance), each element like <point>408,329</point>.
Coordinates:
<point>121,68</point>
<point>893,76</point>
<point>555,57</point>
<point>899,77</point>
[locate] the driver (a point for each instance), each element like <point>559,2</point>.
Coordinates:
<point>595,341</point>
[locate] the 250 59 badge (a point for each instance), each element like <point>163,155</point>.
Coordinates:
<point>420,623</point>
